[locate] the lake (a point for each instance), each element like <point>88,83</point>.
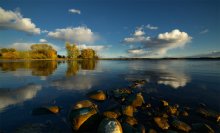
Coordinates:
<point>25,85</point>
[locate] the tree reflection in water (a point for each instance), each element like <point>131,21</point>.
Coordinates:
<point>74,66</point>
<point>39,68</point>
<point>46,68</point>
<point>43,68</point>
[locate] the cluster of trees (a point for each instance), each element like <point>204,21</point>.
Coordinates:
<point>38,51</point>
<point>45,51</point>
<point>8,53</point>
<point>73,52</point>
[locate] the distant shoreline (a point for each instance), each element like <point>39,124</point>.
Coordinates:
<point>63,59</point>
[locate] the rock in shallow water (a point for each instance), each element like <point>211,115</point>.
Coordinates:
<point>110,125</point>
<point>83,104</point>
<point>99,95</point>
<point>119,93</point>
<point>81,112</point>
<point>181,126</point>
<point>202,128</point>
<point>136,100</point>
<point>127,110</point>
<point>46,110</point>
<point>210,114</point>
<point>161,122</point>
<point>111,114</point>
<point>79,116</point>
<point>131,120</point>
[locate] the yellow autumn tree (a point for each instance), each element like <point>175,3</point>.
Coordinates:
<point>88,53</point>
<point>43,51</point>
<point>72,50</point>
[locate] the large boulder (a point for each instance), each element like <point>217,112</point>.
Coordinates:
<point>110,125</point>
<point>81,112</point>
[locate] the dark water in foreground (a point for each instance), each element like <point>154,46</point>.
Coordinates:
<point>28,85</point>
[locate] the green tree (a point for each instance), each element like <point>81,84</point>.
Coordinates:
<point>72,50</point>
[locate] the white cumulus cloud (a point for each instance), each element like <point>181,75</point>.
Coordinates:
<point>15,20</point>
<point>74,11</point>
<point>42,40</point>
<point>79,34</point>
<point>23,46</point>
<point>95,47</point>
<point>159,45</point>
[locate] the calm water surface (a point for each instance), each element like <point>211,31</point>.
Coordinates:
<point>28,85</point>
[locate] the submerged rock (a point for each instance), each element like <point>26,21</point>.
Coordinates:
<point>184,113</point>
<point>46,110</point>
<point>110,125</point>
<point>136,100</point>
<point>119,93</point>
<point>164,103</point>
<point>209,114</point>
<point>172,110</point>
<point>181,126</point>
<point>202,128</point>
<point>161,122</point>
<point>99,95</point>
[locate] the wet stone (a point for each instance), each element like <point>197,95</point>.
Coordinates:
<point>181,126</point>
<point>79,116</point>
<point>99,95</point>
<point>111,114</point>
<point>46,110</point>
<point>110,125</point>
<point>127,110</point>
<point>118,93</point>
<point>161,122</point>
<point>136,100</point>
<point>164,103</point>
<point>83,104</point>
<point>209,114</point>
<point>184,113</point>
<point>172,110</point>
<point>131,120</point>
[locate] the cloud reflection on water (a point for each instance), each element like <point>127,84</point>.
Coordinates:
<point>16,96</point>
<point>159,72</point>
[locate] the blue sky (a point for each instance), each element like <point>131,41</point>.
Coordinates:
<point>115,28</point>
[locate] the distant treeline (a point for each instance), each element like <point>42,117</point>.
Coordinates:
<point>45,51</point>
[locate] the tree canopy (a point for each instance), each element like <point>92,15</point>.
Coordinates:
<point>72,50</point>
